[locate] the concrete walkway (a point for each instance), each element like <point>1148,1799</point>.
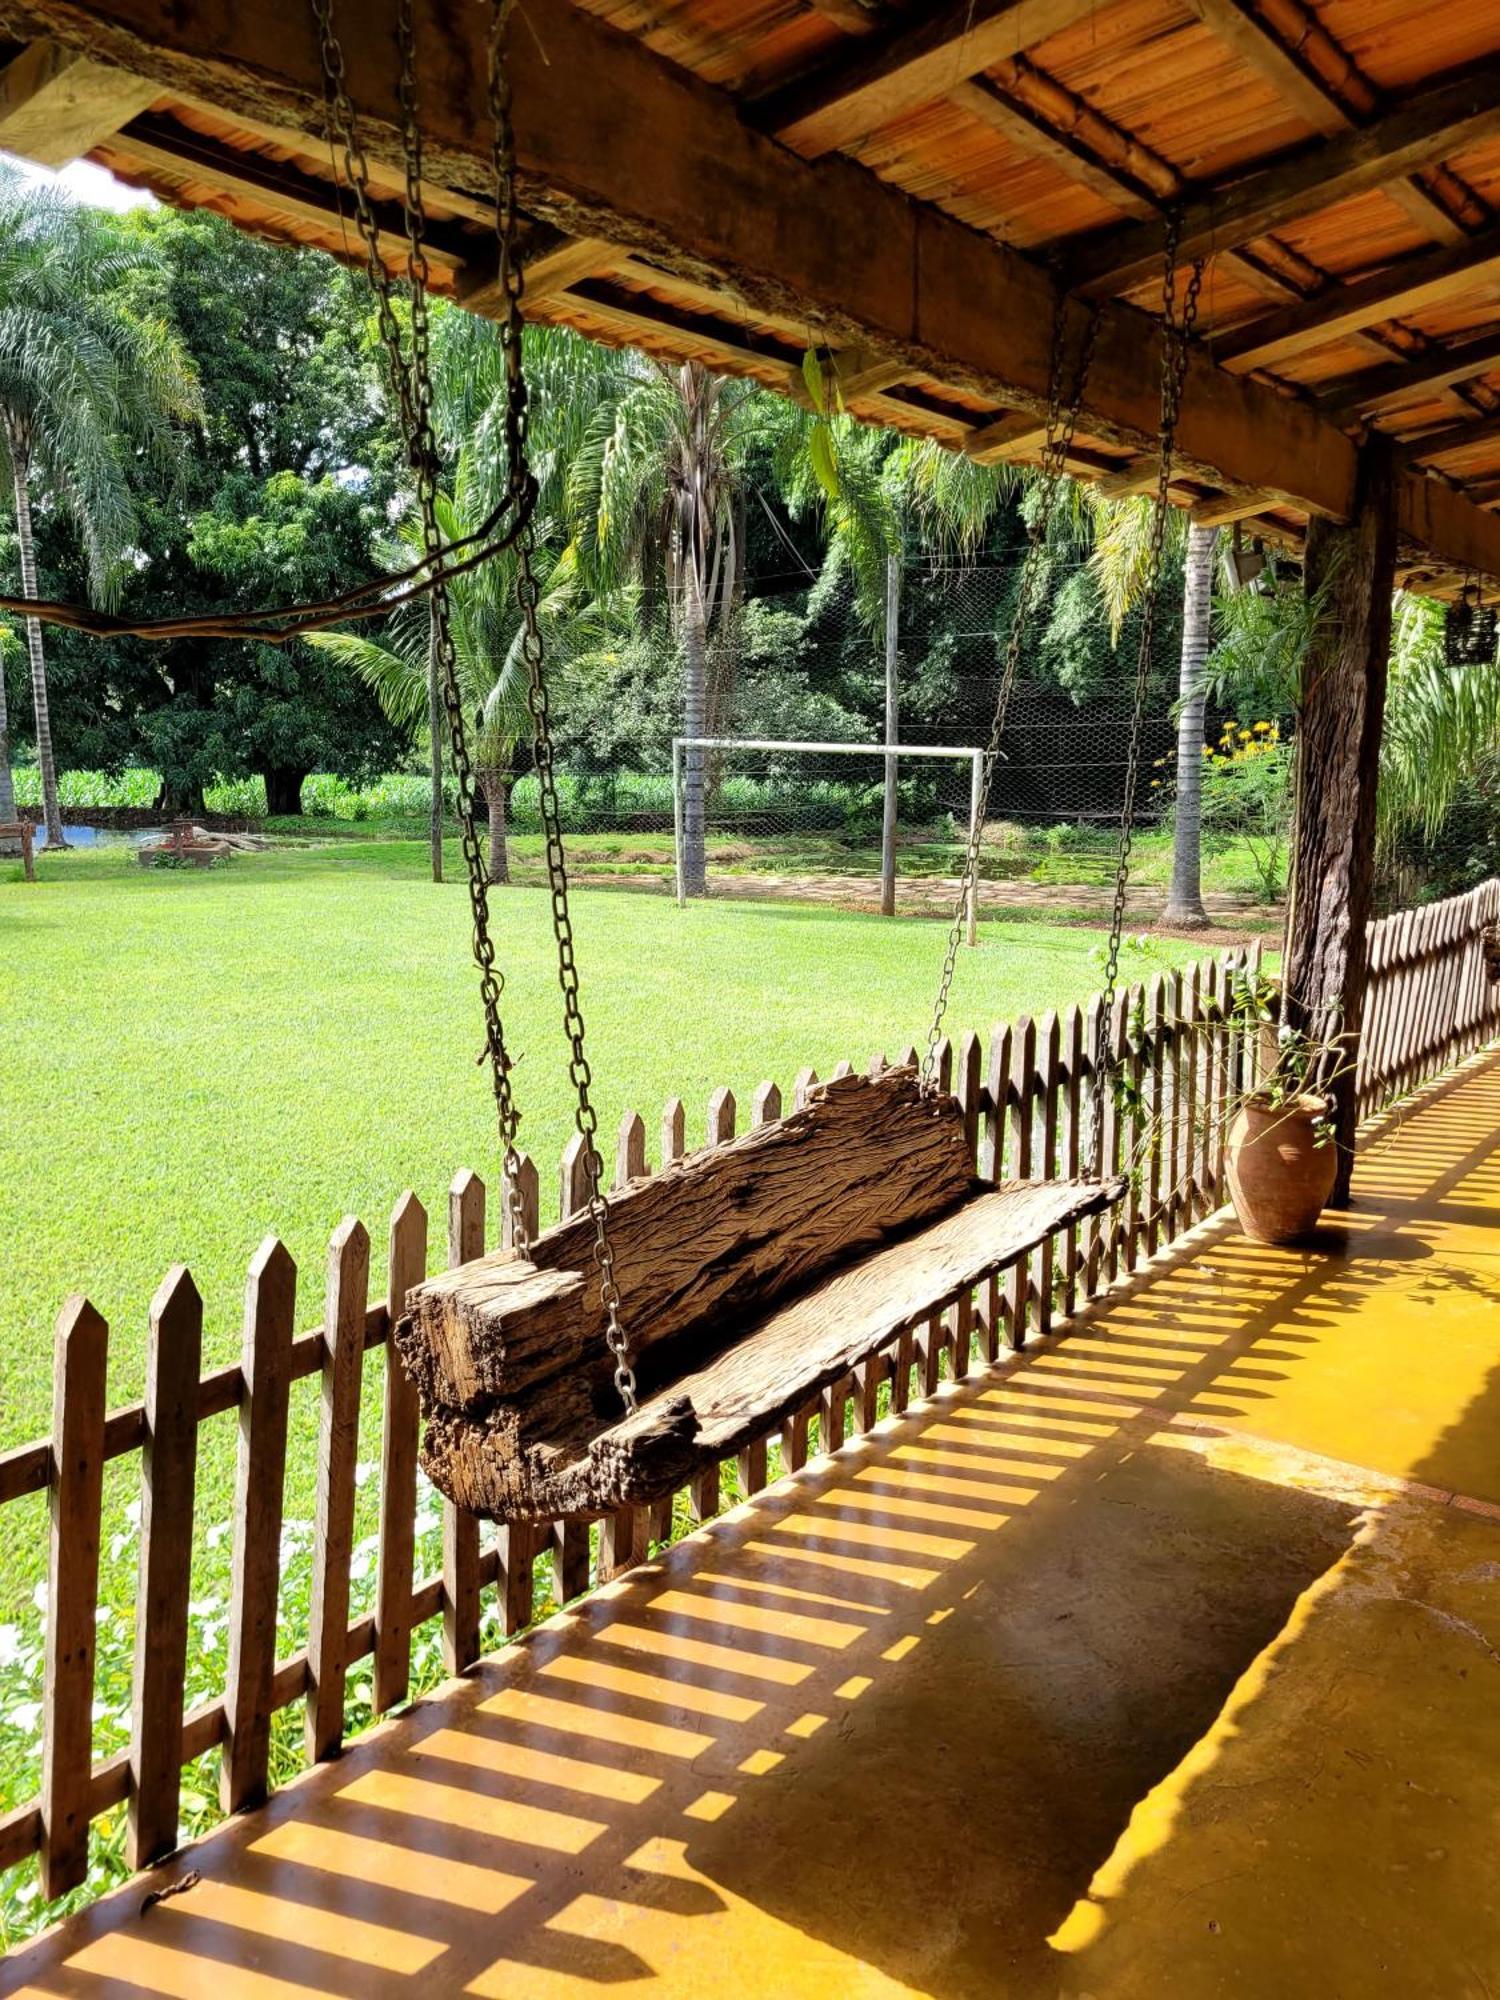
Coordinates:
<point>1162,1662</point>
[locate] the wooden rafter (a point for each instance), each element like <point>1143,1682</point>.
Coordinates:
<point>1139,476</point>
<point>152,140</point>
<point>1439,121</point>
<point>1416,283</point>
<point>1451,438</point>
<point>619,145</point>
<point>56,104</point>
<point>1222,509</point>
<point>1319,80</point>
<point>1010,436</point>
<point>910,63</point>
<point>1374,391</point>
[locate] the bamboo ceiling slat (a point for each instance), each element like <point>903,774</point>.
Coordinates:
<point>1360,235</point>
<point>1189,98</point>
<point>723,41</point>
<point>944,155</point>
<point>1396,43</point>
<point>1083,132</point>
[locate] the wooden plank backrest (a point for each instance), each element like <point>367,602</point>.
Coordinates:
<point>725,1231</point>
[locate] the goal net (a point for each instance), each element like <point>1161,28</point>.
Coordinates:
<point>853,824</point>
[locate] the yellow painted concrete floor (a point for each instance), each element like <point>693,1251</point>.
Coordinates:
<point>1165,1662</point>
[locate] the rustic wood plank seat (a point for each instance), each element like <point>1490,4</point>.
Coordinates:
<point>755,1275</point>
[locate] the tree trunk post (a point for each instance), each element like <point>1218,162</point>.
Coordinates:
<point>892,734</point>
<point>51,810</point>
<point>1185,896</point>
<point>1341,712</point>
<point>283,791</point>
<point>435,740</point>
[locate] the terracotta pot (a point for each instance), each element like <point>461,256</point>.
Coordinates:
<point>1279,1177</point>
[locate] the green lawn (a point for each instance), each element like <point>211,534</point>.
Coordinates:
<point>193,1059</point>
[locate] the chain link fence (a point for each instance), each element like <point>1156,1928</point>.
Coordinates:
<point>804,666</point>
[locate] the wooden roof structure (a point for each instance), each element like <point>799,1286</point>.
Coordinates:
<point>905,186</point>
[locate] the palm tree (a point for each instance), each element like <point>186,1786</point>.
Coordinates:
<point>82,378</point>
<point>566,377</point>
<point>400,668</point>
<point>655,495</point>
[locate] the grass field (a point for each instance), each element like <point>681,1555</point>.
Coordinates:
<point>191,1060</point>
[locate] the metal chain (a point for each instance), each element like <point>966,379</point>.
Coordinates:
<point>1177,333</point>
<point>411,385</point>
<point>1061,422</point>
<point>585,1118</point>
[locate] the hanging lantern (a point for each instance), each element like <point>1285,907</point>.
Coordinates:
<point>1472,631</point>
<point>1245,565</point>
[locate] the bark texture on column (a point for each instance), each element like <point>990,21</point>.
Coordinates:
<point>1185,896</point>
<point>1339,729</point>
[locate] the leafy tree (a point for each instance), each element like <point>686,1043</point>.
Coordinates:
<point>566,377</point>
<point>85,379</point>
<point>283,490</point>
<point>279,711</point>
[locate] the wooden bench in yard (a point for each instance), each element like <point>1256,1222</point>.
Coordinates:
<point>22,830</point>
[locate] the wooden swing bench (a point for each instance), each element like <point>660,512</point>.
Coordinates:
<point>755,1275</point>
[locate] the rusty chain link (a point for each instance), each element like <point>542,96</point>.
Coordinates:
<point>1061,421</point>
<point>412,384</point>
<point>1177,334</point>
<point>585,1118</point>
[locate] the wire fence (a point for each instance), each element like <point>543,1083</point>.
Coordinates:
<point>800,662</point>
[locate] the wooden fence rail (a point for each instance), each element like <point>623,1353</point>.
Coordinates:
<point>1028,1095</point>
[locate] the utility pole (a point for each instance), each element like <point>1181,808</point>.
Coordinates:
<point>892,734</point>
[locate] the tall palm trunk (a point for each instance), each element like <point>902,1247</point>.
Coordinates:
<point>435,738</point>
<point>497,783</point>
<point>52,811</point>
<point>7,788</point>
<point>1185,897</point>
<point>694,712</point>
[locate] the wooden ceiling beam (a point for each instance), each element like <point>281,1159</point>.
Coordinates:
<point>548,273</point>
<point>1453,437</point>
<point>1445,119</point>
<point>858,374</point>
<point>1010,436</point>
<point>152,140</point>
<point>1434,277</point>
<point>1139,476</point>
<point>1221,509</point>
<point>56,104</point>
<point>1374,392</point>
<point>1298,85</point>
<point>614,142</point>
<point>910,63</point>
<point>454,200</point>
<point>1309,89</point>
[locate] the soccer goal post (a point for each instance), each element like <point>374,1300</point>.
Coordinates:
<point>693,782</point>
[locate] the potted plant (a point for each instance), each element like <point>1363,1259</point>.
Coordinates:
<point>1279,1148</point>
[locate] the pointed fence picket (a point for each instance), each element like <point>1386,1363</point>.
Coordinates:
<point>1027,1093</point>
